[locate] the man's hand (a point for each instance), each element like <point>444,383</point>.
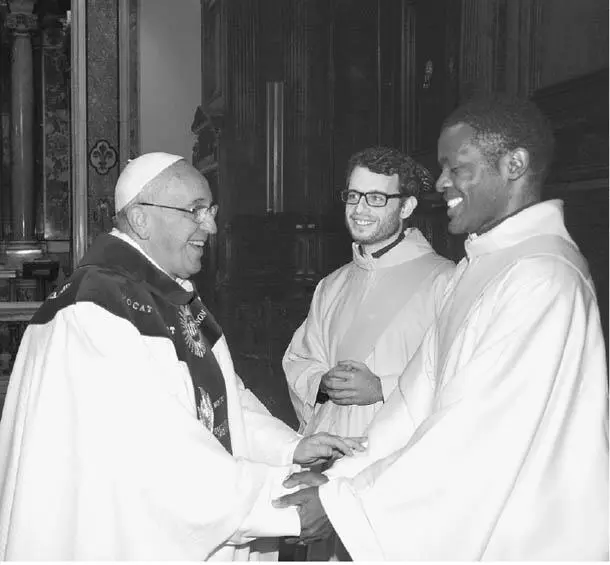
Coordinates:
<point>321,447</point>
<point>305,478</point>
<point>315,524</point>
<point>352,382</point>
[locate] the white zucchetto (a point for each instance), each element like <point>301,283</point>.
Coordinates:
<point>138,173</point>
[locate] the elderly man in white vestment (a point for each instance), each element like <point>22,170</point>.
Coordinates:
<point>368,317</point>
<point>494,445</point>
<point>126,433</point>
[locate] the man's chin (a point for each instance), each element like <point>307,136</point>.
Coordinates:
<point>365,241</point>
<point>191,271</point>
<point>456,229</point>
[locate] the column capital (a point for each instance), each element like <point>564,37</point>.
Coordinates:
<point>21,6</point>
<point>20,18</point>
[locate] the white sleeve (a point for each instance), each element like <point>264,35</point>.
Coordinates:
<point>527,408</point>
<point>269,439</point>
<point>306,360</point>
<point>138,436</point>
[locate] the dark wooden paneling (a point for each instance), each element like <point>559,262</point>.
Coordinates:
<point>434,74</point>
<point>306,43</point>
<point>346,79</point>
<point>355,59</point>
<point>242,147</point>
<point>578,111</point>
<point>389,62</point>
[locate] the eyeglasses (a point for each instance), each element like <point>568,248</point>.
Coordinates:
<point>374,199</point>
<point>198,213</point>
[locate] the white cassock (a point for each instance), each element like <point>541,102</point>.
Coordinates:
<point>102,455</point>
<point>373,310</point>
<point>495,443</point>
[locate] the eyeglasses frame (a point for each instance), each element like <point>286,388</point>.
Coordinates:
<point>344,194</point>
<point>197,214</point>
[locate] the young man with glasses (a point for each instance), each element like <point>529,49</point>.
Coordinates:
<point>126,433</point>
<point>368,317</point>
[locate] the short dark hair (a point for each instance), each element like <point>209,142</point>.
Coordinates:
<point>504,122</point>
<point>413,178</point>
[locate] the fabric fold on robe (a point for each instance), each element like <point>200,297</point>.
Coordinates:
<point>102,453</point>
<point>501,452</point>
<point>370,310</point>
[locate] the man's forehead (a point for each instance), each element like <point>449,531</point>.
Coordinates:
<point>191,186</point>
<point>362,177</point>
<point>457,140</point>
<point>458,134</point>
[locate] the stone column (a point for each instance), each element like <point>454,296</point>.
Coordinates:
<point>22,22</point>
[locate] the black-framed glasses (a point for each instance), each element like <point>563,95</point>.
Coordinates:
<point>198,213</point>
<point>374,199</point>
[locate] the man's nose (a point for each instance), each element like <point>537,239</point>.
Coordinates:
<point>442,182</point>
<point>209,226</point>
<point>361,203</point>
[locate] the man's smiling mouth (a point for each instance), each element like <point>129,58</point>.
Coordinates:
<point>363,222</point>
<point>454,202</point>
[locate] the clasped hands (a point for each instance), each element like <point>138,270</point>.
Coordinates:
<point>351,382</point>
<point>315,524</point>
<point>311,451</point>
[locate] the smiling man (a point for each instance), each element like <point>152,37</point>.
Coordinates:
<point>367,318</point>
<point>126,434</point>
<point>494,445</point>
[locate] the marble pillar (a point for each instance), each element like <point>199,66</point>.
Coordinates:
<point>21,21</point>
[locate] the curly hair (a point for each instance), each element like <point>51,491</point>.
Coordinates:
<point>413,178</point>
<point>502,123</point>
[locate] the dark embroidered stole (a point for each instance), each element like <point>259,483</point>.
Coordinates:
<point>200,332</point>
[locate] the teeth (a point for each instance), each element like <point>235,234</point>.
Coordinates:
<point>198,243</point>
<point>454,202</point>
<point>363,222</point>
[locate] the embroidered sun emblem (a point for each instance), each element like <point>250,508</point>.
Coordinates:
<point>190,331</point>
<point>206,410</point>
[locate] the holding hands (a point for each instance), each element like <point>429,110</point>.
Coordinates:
<point>322,447</point>
<point>305,478</point>
<point>315,524</point>
<point>351,382</point>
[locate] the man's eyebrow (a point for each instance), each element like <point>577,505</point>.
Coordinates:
<point>201,202</point>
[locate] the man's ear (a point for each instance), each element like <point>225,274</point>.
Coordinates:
<point>408,207</point>
<point>139,221</point>
<point>517,163</point>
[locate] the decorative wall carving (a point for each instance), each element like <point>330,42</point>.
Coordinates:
<point>103,157</point>
<point>102,105</point>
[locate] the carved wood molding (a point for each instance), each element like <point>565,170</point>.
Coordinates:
<point>18,311</point>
